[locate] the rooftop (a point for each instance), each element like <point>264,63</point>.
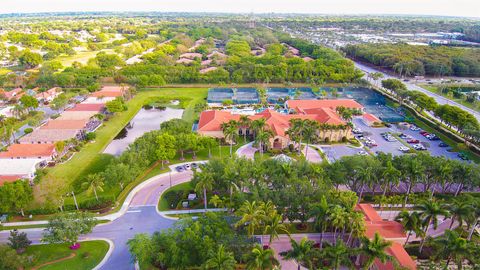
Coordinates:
<point>77,115</point>
<point>65,124</point>
<point>300,105</point>
<point>87,107</point>
<point>13,167</point>
<point>49,135</point>
<point>107,93</point>
<point>28,150</point>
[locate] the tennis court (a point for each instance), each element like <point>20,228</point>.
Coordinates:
<point>277,95</point>
<point>303,93</point>
<point>218,95</point>
<point>246,96</point>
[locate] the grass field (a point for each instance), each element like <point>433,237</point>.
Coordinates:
<point>89,255</point>
<point>90,159</point>
<point>81,57</point>
<point>163,204</point>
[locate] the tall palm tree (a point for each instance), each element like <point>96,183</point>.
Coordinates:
<point>430,211</point>
<point>310,132</point>
<point>320,212</point>
<point>230,131</point>
<point>300,252</point>
<point>274,226</point>
<point>221,260</point>
<point>258,124</point>
<point>337,219</point>
<point>338,255</point>
<point>374,249</point>
<point>355,225</point>
<point>390,176</point>
<point>461,211</point>
<point>410,223</point>
<point>245,123</point>
<point>474,219</point>
<point>365,175</point>
<point>415,171</point>
<point>261,259</point>
<point>94,182</point>
<point>452,247</point>
<point>262,138</point>
<point>205,182</point>
<point>251,216</point>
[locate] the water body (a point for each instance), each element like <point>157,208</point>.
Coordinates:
<point>144,121</point>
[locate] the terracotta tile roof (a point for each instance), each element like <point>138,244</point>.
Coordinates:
<point>49,93</point>
<point>206,70</point>
<point>87,107</point>
<point>371,118</point>
<point>65,124</point>
<point>9,178</point>
<point>28,151</point>
<point>279,123</point>
<point>77,115</point>
<point>12,93</point>
<point>191,55</point>
<point>300,105</point>
<point>184,61</point>
<point>107,93</point>
<point>114,88</point>
<point>48,135</point>
<point>389,230</point>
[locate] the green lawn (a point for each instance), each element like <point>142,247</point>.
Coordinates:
<point>90,159</point>
<point>81,57</point>
<point>89,255</point>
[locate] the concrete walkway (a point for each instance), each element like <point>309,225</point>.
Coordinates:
<point>312,155</point>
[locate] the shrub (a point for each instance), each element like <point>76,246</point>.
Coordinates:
<point>174,197</point>
<point>28,130</point>
<point>344,139</point>
<point>85,255</point>
<point>93,204</point>
<point>90,136</point>
<point>327,139</point>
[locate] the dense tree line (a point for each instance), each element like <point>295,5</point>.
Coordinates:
<point>410,60</point>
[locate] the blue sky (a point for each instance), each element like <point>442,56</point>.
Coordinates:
<point>467,8</point>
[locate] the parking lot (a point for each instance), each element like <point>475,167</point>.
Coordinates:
<point>334,152</point>
<point>432,146</point>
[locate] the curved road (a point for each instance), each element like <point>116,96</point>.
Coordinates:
<point>141,217</point>
<point>440,99</point>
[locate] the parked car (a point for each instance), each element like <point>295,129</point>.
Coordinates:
<point>403,149</point>
<point>362,153</point>
<point>419,147</point>
<point>179,168</point>
<point>413,141</point>
<point>462,156</point>
<point>414,128</point>
<point>187,166</point>
<point>424,133</point>
<point>194,165</point>
<point>442,144</point>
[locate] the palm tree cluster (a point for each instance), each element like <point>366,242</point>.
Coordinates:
<point>338,254</point>
<point>463,210</point>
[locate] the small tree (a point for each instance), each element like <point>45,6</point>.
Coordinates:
<point>67,227</point>
<point>166,149</point>
<point>18,241</point>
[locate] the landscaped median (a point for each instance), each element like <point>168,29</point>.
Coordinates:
<point>60,256</point>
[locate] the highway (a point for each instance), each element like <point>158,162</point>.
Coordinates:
<point>440,99</point>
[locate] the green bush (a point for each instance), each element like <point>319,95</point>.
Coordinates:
<point>174,197</point>
<point>94,204</point>
<point>90,136</point>
<point>28,130</point>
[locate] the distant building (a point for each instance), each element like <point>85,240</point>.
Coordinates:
<point>370,119</point>
<point>48,95</point>
<point>30,151</point>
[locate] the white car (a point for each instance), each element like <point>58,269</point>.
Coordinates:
<point>403,149</point>
<point>362,153</point>
<point>414,128</point>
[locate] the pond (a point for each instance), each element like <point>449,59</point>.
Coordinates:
<point>144,121</point>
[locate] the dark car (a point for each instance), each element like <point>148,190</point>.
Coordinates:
<point>462,156</point>
<point>194,165</point>
<point>443,144</point>
<point>413,141</point>
<point>180,168</point>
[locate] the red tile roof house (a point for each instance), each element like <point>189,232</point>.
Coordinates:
<point>48,95</point>
<point>391,231</point>
<point>9,95</point>
<point>50,136</point>
<point>210,124</point>
<point>86,107</point>
<point>30,151</point>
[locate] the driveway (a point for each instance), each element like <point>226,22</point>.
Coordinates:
<point>247,151</point>
<point>140,217</point>
<point>335,152</point>
<point>312,155</point>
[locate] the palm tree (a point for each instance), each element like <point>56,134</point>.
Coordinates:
<point>251,215</point>
<point>274,227</point>
<point>310,132</point>
<point>94,182</point>
<point>390,176</point>
<point>262,138</point>
<point>410,223</point>
<point>300,252</point>
<point>205,182</point>
<point>261,259</point>
<point>320,212</point>
<point>365,175</point>
<point>356,225</point>
<point>474,219</point>
<point>230,131</point>
<point>244,123</point>
<point>339,255</point>
<point>429,213</point>
<point>451,246</point>
<point>461,211</point>
<point>258,124</point>
<point>18,111</point>
<point>374,249</point>
<point>221,260</point>
<point>337,219</point>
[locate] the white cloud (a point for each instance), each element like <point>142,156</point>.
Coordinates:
<point>467,8</point>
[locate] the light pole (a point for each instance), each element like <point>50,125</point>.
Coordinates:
<point>75,200</point>
<point>170,174</point>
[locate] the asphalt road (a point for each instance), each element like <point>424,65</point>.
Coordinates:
<point>440,100</point>
<point>141,217</point>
